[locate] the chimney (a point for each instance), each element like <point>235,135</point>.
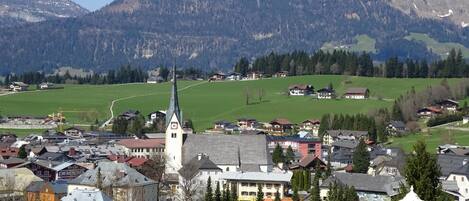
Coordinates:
<point>72,151</point>
<point>464,162</point>
<point>199,156</point>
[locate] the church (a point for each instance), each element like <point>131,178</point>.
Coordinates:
<point>230,153</point>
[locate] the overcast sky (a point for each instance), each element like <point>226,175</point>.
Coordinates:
<point>93,5</point>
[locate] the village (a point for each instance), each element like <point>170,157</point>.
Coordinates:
<point>243,160</point>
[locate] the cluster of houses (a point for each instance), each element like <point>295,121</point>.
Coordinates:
<point>356,93</point>
<point>254,75</point>
<point>440,107</point>
<point>21,86</point>
<point>82,165</point>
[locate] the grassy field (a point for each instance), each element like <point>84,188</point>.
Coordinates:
<point>363,43</point>
<point>437,47</point>
<point>205,102</point>
<point>21,132</point>
<point>433,138</point>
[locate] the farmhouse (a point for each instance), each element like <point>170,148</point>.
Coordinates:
<point>281,74</point>
<point>304,146</point>
<point>18,86</point>
<point>155,80</point>
<point>46,85</point>
<point>448,105</point>
<point>234,77</point>
<point>130,114</point>
<point>143,148</point>
<point>247,123</point>
<point>357,93</point>
<point>326,93</point>
<point>74,132</point>
<point>156,116</point>
<point>254,75</point>
<point>311,125</point>
<point>300,90</point>
<point>333,135</point>
<point>396,128</point>
<point>428,112</point>
<point>281,125</point>
<point>218,77</point>
<point>461,176</point>
<point>52,171</point>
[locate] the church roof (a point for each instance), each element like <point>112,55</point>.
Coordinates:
<point>174,101</point>
<point>239,150</point>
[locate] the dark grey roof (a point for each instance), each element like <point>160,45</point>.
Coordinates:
<point>449,163</point>
<point>464,170</point>
<point>367,183</point>
<point>397,124</point>
<point>196,164</point>
<point>228,149</point>
<point>53,156</point>
<point>12,160</point>
<point>119,174</point>
<point>174,101</point>
<point>350,144</point>
<point>60,187</point>
<point>35,186</point>
<point>336,133</point>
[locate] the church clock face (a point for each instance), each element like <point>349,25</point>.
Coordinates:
<point>174,125</point>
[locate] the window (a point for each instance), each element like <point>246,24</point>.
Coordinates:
<point>462,178</point>
<point>244,184</point>
<point>227,169</point>
<point>252,184</point>
<point>173,135</point>
<point>244,193</point>
<point>268,186</point>
<point>252,193</point>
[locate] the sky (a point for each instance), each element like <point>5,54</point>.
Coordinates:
<point>93,5</point>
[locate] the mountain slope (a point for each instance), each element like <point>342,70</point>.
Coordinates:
<point>214,33</point>
<point>17,12</point>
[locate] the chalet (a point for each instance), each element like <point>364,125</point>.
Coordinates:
<point>155,80</point>
<point>342,152</point>
<point>234,77</point>
<point>326,93</point>
<point>143,148</point>
<point>300,90</point>
<point>46,85</point>
<point>46,191</point>
<point>281,74</point>
<point>304,146</point>
<point>18,86</point>
<point>310,163</point>
<point>333,135</point>
<point>448,105</point>
<point>357,93</point>
<point>130,114</point>
<point>217,77</point>
<point>311,125</point>
<point>157,115</point>
<point>428,112</point>
<point>281,125</point>
<point>52,171</point>
<point>465,120</point>
<point>74,132</point>
<point>246,123</point>
<point>254,75</point>
<point>396,128</point>
<point>375,187</point>
<point>221,125</point>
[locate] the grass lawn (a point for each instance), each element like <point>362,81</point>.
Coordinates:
<point>205,102</point>
<point>438,47</point>
<point>363,43</point>
<point>434,138</point>
<point>21,132</point>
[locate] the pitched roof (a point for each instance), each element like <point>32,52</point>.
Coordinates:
<point>300,86</point>
<point>35,186</point>
<point>351,144</point>
<point>22,178</point>
<point>228,149</point>
<point>12,160</point>
<point>173,108</point>
<point>308,161</point>
<point>142,143</point>
<point>119,174</point>
<point>464,170</point>
<point>281,121</point>
<point>336,133</point>
<point>368,183</point>
<point>397,124</point>
<point>271,138</point>
<point>357,90</point>
<point>258,176</point>
<point>449,163</point>
<point>314,121</point>
<point>86,195</point>
<point>191,168</point>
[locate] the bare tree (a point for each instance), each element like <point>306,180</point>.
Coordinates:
<point>189,186</point>
<point>154,169</point>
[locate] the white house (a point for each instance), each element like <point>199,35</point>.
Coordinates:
<point>465,120</point>
<point>326,93</point>
<point>18,86</point>
<point>46,85</point>
<point>143,148</point>
<point>357,93</point>
<point>461,176</point>
<point>300,90</point>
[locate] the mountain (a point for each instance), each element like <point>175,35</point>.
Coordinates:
<point>17,12</point>
<point>216,33</point>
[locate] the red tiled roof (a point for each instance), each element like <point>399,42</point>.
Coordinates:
<point>139,143</point>
<point>136,162</point>
<point>281,121</point>
<point>299,86</point>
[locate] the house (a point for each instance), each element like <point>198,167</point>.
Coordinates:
<point>45,191</point>
<point>234,77</point>
<point>131,161</point>
<point>281,125</point>
<point>14,181</point>
<point>461,176</point>
<point>7,152</point>
<point>155,80</point>
<point>143,148</point>
<point>281,74</point>
<point>217,77</point>
<point>18,86</point>
<point>46,85</point>
<point>74,132</point>
<point>221,125</point>
<point>309,163</point>
<point>304,146</point>
<point>198,170</point>
<point>388,165</point>
<point>86,195</point>
<point>342,152</point>
<point>465,120</point>
<point>428,112</point>
<point>368,187</point>
<point>157,115</point>
<point>300,90</point>
<point>448,105</point>
<point>121,181</point>
<point>246,123</point>
<point>333,135</point>
<point>254,75</point>
<point>357,93</point>
<point>396,128</point>
<point>247,183</point>
<point>130,114</point>
<point>326,93</point>
<point>52,171</point>
<point>311,125</point>
<point>10,162</point>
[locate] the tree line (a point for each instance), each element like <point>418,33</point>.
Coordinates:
<point>341,62</point>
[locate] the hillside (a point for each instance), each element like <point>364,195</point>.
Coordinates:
<point>205,102</point>
<point>18,12</point>
<point>216,33</point>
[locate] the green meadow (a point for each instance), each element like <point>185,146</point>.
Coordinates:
<point>433,138</point>
<point>205,102</point>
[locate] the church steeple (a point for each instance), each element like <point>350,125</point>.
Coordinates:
<point>173,108</point>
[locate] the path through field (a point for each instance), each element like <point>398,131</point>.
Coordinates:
<point>113,102</point>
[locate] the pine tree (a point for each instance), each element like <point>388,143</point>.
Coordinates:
<point>260,194</point>
<point>329,166</point>
<point>315,191</point>
<point>277,154</point>
<point>22,152</point>
<point>99,179</point>
<point>217,193</point>
<point>295,196</point>
<point>208,191</point>
<point>361,158</point>
<point>290,155</point>
<point>422,172</point>
<point>277,196</point>
<point>226,193</point>
<point>306,180</point>
<point>324,126</point>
